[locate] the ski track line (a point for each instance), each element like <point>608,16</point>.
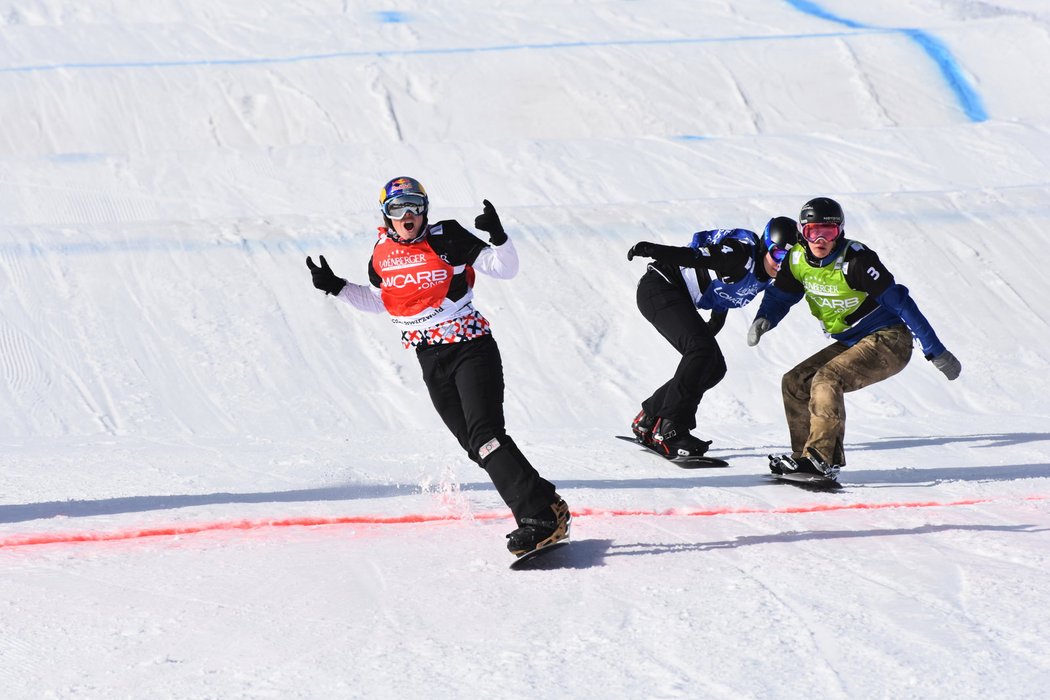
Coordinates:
<point>33,539</point>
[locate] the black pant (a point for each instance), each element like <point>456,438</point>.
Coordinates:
<point>465,381</point>
<point>670,309</point>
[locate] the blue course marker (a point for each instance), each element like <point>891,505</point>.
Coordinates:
<point>967,96</point>
<point>388,53</point>
<point>812,8</point>
<point>969,99</point>
<point>390,16</point>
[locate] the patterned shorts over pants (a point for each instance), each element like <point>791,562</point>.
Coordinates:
<point>813,391</point>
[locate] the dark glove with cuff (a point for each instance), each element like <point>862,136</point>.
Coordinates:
<point>324,278</point>
<point>675,255</point>
<point>488,221</point>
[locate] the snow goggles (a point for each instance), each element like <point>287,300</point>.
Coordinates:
<point>397,207</point>
<point>778,254</point>
<point>816,232</point>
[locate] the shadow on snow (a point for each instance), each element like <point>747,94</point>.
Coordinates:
<point>649,548</point>
<point>591,553</point>
<point>677,479</point>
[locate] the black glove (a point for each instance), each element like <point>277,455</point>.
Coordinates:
<point>644,249</point>
<point>488,221</point>
<point>675,255</point>
<point>324,278</point>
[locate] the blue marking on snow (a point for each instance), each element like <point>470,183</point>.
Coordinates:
<point>965,94</point>
<point>391,16</point>
<point>953,74</point>
<point>971,101</point>
<point>388,53</point>
<point>812,8</point>
<point>691,137</point>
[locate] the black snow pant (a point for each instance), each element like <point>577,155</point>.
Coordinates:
<point>465,381</point>
<point>671,310</point>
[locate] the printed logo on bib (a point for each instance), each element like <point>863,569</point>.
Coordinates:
<point>424,279</point>
<point>827,290</point>
<point>412,280</point>
<point>839,304</point>
<point>400,260</point>
<point>737,294</point>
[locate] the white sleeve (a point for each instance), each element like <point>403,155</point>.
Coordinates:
<point>364,297</point>
<point>500,261</point>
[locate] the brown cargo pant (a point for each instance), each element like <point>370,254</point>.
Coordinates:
<point>813,391</point>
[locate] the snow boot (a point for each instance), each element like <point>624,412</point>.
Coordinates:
<point>543,530</point>
<point>819,465</point>
<point>642,427</point>
<point>813,464</point>
<point>782,464</point>
<point>675,441</point>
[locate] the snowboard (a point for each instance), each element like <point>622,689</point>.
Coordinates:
<point>810,482</point>
<point>683,462</point>
<point>806,480</point>
<point>523,562</point>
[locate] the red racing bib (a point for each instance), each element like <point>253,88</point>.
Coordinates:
<point>414,278</point>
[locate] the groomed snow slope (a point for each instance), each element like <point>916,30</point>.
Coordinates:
<point>204,463</point>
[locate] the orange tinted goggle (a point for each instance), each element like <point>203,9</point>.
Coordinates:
<point>815,232</point>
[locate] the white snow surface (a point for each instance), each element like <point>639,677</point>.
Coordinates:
<point>205,464</point>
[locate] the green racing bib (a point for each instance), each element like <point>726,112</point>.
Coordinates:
<point>829,297</point>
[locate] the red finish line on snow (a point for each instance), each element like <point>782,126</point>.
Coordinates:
<point>30,540</point>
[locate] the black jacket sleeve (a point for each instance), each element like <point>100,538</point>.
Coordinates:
<point>715,257</point>
<point>455,244</point>
<point>787,282</point>
<point>866,273</point>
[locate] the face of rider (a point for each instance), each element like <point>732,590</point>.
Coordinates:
<point>821,248</point>
<point>771,265</point>
<point>410,227</point>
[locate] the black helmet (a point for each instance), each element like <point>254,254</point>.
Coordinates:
<point>781,233</point>
<point>822,210</point>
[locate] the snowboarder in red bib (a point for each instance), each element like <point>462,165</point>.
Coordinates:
<point>422,274</point>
